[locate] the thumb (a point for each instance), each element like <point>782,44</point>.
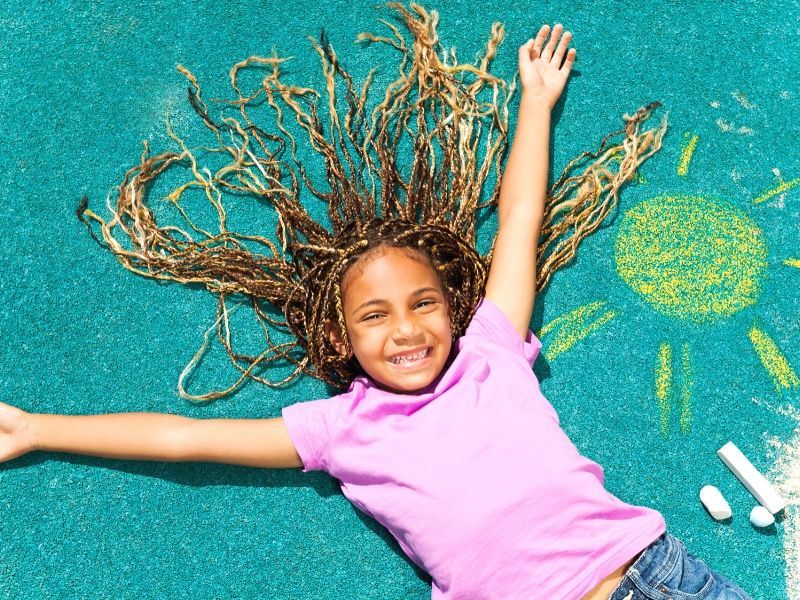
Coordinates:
<point>527,51</point>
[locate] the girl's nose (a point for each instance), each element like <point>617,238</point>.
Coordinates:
<point>407,327</point>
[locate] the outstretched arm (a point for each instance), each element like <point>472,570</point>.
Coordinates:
<point>512,277</point>
<point>149,436</point>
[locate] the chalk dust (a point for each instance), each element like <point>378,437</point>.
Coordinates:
<point>785,476</point>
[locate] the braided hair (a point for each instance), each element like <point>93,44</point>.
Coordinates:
<point>461,270</point>
<point>299,271</point>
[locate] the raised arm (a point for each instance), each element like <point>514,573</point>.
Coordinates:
<point>511,284</point>
<point>149,436</point>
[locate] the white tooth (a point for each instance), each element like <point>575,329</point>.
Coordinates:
<point>412,357</point>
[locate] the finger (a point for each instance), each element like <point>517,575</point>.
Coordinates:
<point>547,53</point>
<point>540,38</point>
<point>570,60</point>
<point>525,51</point>
<point>562,48</point>
<point>533,53</point>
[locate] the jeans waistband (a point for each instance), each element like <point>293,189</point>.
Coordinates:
<point>658,559</point>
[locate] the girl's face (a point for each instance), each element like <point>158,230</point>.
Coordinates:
<point>397,317</point>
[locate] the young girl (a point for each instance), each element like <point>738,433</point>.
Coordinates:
<point>443,435</point>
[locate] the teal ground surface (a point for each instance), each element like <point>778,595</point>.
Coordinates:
<point>82,84</point>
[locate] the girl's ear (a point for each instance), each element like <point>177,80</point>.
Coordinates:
<point>335,336</point>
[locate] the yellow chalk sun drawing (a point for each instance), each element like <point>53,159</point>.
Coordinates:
<point>693,259</point>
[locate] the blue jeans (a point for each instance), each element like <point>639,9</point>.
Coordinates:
<point>665,570</point>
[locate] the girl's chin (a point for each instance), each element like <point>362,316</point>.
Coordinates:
<point>406,379</point>
<point>405,387</point>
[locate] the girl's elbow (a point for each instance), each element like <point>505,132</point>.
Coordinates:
<point>181,442</point>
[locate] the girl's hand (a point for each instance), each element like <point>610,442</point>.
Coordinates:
<point>15,438</point>
<point>541,73</point>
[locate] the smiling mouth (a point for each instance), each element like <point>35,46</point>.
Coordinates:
<point>412,359</point>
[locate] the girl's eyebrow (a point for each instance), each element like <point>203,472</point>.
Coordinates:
<point>381,301</point>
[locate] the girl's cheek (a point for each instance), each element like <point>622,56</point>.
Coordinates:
<point>370,339</point>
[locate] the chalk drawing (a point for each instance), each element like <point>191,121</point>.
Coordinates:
<point>783,187</point>
<point>742,99</point>
<point>686,154</point>
<point>663,380</point>
<point>692,258</point>
<point>785,476</point>
<point>572,327</point>
<point>665,389</point>
<point>775,363</point>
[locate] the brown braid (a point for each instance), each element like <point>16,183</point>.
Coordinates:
<point>435,210</point>
<point>461,270</point>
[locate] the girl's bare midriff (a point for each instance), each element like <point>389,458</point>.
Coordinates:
<point>606,587</point>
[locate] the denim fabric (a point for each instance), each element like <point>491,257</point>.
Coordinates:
<point>665,570</point>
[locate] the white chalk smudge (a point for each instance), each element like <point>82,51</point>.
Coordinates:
<point>785,476</point>
<point>724,126</point>
<point>730,127</point>
<point>779,202</point>
<point>742,99</point>
<point>780,199</point>
<point>714,104</point>
<point>785,95</point>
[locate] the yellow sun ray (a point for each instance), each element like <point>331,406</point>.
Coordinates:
<point>783,187</point>
<point>663,381</point>
<point>664,388</point>
<point>775,363</point>
<point>572,327</point>
<point>686,155</point>
<point>792,262</point>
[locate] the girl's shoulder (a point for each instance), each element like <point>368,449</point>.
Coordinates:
<point>491,325</point>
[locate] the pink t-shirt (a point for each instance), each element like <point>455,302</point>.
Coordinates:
<point>473,475</point>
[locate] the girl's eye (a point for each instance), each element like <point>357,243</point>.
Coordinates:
<point>374,316</point>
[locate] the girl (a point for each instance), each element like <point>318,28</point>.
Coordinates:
<point>443,435</point>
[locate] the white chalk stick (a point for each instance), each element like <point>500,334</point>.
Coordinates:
<point>754,481</point>
<point>761,517</point>
<point>712,499</point>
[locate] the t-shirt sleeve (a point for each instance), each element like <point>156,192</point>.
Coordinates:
<point>489,322</point>
<point>311,425</point>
